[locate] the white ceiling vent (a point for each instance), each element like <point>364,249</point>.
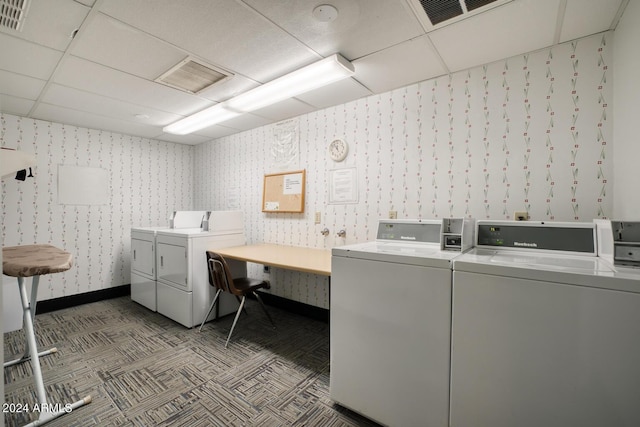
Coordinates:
<point>192,76</point>
<point>12,13</point>
<point>438,13</point>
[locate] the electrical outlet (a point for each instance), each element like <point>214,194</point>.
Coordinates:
<point>318,218</point>
<point>520,216</point>
<point>266,269</point>
<point>393,214</point>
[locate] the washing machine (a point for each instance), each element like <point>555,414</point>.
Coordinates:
<point>390,320</point>
<point>183,290</point>
<point>544,332</point>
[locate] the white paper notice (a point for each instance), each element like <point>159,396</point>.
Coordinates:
<point>271,206</point>
<point>343,186</point>
<point>292,184</point>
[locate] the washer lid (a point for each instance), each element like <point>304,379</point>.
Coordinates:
<point>424,254</point>
<point>544,267</point>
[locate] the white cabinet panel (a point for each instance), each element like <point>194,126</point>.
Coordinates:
<point>175,304</point>
<point>172,264</point>
<point>143,291</point>
<point>142,256</point>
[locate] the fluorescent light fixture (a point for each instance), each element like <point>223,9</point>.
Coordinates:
<point>202,119</point>
<point>311,77</point>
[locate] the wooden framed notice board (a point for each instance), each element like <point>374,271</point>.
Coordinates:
<point>284,192</point>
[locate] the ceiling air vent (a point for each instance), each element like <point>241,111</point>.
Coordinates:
<point>192,76</point>
<point>438,13</point>
<point>12,13</point>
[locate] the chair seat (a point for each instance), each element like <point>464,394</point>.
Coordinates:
<point>247,285</point>
<point>220,278</point>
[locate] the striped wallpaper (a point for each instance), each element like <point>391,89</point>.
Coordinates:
<point>529,133</point>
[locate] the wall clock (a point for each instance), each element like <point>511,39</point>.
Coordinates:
<point>338,150</point>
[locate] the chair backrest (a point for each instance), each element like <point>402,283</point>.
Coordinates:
<point>220,274</point>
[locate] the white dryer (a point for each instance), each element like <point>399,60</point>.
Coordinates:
<point>183,290</point>
<point>143,265</point>
<point>390,321</point>
<point>544,333</point>
<point>143,254</point>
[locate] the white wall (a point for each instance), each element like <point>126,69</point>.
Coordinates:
<point>626,101</point>
<point>532,132</point>
<point>147,180</point>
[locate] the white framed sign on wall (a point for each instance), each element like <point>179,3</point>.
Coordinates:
<point>343,186</point>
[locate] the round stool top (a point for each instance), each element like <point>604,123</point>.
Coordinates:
<point>34,260</point>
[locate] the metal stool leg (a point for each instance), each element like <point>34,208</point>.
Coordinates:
<point>35,280</point>
<point>48,411</point>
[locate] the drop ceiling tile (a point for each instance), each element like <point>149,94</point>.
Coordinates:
<point>502,32</point>
<point>361,28</point>
<point>54,113</point>
<point>88,76</point>
<point>228,88</point>
<point>120,46</point>
<point>52,22</point>
<point>216,131</point>
<point>14,105</point>
<point>284,110</point>
<point>585,17</point>
<point>20,85</point>
<point>339,92</point>
<point>400,65</point>
<point>191,139</point>
<point>246,121</point>
<point>27,58</point>
<point>103,106</point>
<point>229,34</point>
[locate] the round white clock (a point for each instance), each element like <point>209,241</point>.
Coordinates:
<point>338,150</point>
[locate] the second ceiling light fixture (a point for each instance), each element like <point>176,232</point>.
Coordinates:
<point>316,75</point>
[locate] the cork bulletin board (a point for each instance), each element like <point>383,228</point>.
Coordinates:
<point>284,192</point>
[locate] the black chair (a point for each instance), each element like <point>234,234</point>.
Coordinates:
<point>220,278</point>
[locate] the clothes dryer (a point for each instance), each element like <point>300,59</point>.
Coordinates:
<point>143,254</point>
<point>183,290</point>
<point>544,333</point>
<point>390,321</point>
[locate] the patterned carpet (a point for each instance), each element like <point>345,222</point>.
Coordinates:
<point>142,369</point>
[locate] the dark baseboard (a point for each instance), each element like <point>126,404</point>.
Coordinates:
<point>301,308</point>
<point>54,304</point>
<point>50,305</point>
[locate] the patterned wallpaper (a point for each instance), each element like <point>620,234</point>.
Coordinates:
<point>529,133</point>
<point>147,180</point>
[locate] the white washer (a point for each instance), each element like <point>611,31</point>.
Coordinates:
<point>183,290</point>
<point>544,333</point>
<point>391,323</point>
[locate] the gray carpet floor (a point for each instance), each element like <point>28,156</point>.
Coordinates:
<point>142,369</point>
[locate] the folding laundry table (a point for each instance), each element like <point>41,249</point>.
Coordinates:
<point>34,261</point>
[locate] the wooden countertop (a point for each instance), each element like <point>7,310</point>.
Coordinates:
<point>309,260</point>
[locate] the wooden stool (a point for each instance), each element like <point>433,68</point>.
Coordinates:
<point>34,261</point>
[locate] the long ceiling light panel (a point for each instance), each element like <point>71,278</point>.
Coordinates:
<point>314,76</point>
